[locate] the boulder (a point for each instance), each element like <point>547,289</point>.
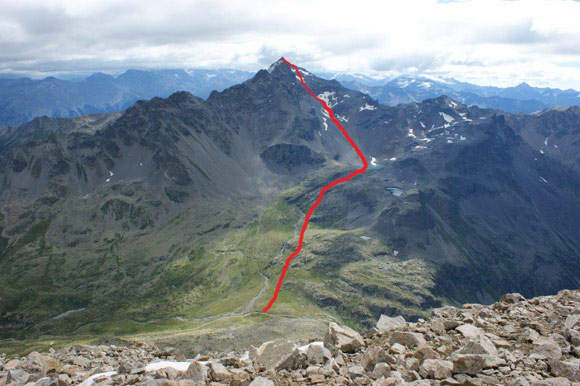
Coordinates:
<point>473,364</point>
<point>219,372</point>
<point>559,381</point>
<point>408,339</point>
<point>479,345</point>
<point>317,353</point>
<point>276,355</point>
<point>387,323</point>
<point>512,298</point>
<point>261,381</point>
<point>42,363</point>
<point>372,356</point>
<point>196,371</point>
<point>425,352</point>
<point>343,338</point>
<point>469,330</point>
<point>239,377</point>
<point>436,369</point>
<point>18,377</point>
<point>572,321</point>
<point>568,370</point>
<point>381,370</point>
<point>547,351</point>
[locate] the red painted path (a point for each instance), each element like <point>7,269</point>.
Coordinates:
<point>323,190</point>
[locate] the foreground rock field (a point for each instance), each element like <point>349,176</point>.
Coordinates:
<point>512,342</point>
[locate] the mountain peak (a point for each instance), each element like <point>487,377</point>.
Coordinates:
<point>276,64</point>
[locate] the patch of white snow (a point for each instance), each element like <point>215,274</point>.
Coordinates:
<point>448,118</point>
<point>179,366</point>
<point>367,107</point>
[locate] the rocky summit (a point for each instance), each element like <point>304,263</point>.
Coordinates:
<point>515,342</point>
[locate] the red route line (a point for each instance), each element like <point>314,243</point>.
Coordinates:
<point>322,191</point>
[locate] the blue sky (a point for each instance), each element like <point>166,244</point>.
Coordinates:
<point>482,41</point>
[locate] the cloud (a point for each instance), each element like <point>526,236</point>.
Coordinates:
<point>483,41</point>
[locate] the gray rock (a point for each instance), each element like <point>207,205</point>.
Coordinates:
<point>512,298</point>
<point>219,372</point>
<point>196,371</point>
<point>479,345</point>
<point>547,351</point>
<point>469,330</point>
<point>261,381</point>
<point>568,370</point>
<point>408,339</point>
<point>19,377</point>
<point>436,369</point>
<point>387,323</point>
<point>553,382</point>
<point>473,364</point>
<point>343,338</point>
<point>372,356</point>
<point>426,352</point>
<point>381,370</point>
<point>572,321</point>
<point>317,353</point>
<point>276,355</point>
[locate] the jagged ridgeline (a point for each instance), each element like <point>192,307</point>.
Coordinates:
<point>177,214</point>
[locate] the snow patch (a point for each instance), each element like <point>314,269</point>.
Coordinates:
<point>546,141</point>
<point>395,253</point>
<point>393,159</point>
<point>179,366</point>
<point>70,312</point>
<point>452,104</point>
<point>462,138</point>
<point>342,118</point>
<point>209,76</point>
<point>325,124</point>
<point>396,191</point>
<point>543,179</point>
<point>329,97</point>
<point>305,348</point>
<point>419,147</point>
<point>373,161</point>
<point>365,237</point>
<point>367,107</point>
<point>448,118</point>
<point>422,124</point>
<point>411,134</point>
<point>541,151</point>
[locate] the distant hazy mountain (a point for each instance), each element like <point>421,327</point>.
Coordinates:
<point>406,89</point>
<point>23,99</point>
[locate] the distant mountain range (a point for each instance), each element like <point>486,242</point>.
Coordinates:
<point>185,209</point>
<point>22,99</point>
<point>405,89</point>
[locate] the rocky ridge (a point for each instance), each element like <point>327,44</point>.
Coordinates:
<point>512,342</point>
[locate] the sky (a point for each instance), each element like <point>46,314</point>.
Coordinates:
<point>487,42</point>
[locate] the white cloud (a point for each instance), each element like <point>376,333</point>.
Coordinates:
<point>483,41</point>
